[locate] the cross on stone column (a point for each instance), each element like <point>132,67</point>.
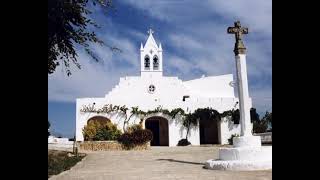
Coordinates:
<point>238,31</point>
<point>242,80</point>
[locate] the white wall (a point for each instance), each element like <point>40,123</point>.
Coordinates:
<point>213,86</point>
<point>227,128</point>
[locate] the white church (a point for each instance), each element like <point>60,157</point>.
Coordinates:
<point>152,89</point>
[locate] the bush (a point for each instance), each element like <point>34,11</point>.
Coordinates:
<point>230,140</point>
<point>260,126</point>
<point>137,137</point>
<point>101,131</point>
<point>59,161</point>
<point>183,142</point>
<point>133,128</point>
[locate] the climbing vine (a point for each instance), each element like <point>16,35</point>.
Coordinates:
<point>188,119</point>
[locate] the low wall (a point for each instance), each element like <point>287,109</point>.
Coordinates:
<point>55,140</point>
<point>265,137</point>
<point>60,147</point>
<point>108,146</point>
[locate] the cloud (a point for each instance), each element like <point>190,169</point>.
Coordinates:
<point>94,79</point>
<point>198,42</point>
<point>194,40</point>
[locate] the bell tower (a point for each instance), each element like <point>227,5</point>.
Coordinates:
<point>151,57</point>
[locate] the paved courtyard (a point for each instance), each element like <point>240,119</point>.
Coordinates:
<point>155,164</point>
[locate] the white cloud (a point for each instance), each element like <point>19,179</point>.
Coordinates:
<point>196,40</point>
<point>182,65</point>
<point>94,79</point>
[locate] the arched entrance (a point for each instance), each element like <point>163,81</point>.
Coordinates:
<point>208,132</point>
<point>160,130</point>
<point>99,119</point>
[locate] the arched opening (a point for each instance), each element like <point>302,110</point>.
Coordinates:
<point>160,130</point>
<point>208,131</point>
<point>146,62</point>
<point>99,119</point>
<point>155,63</point>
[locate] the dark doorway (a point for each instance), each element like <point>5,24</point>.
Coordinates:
<point>159,127</point>
<point>208,132</point>
<point>153,126</point>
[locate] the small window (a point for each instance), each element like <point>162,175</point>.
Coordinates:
<point>151,89</point>
<point>155,63</point>
<point>147,63</point>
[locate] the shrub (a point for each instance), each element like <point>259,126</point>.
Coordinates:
<point>101,131</point>
<point>230,140</point>
<point>59,161</point>
<point>137,137</point>
<point>260,126</point>
<point>183,142</point>
<point>134,127</point>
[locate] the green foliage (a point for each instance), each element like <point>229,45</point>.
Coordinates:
<point>59,161</point>
<point>101,131</point>
<point>261,126</point>
<point>183,142</point>
<point>230,140</point>
<point>134,128</point>
<point>254,115</point>
<point>236,116</point>
<point>68,26</point>
<point>188,120</point>
<point>137,137</point>
<point>268,118</point>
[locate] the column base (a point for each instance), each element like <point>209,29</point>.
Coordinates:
<point>247,141</point>
<point>247,154</point>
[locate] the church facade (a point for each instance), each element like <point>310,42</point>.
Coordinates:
<point>152,89</point>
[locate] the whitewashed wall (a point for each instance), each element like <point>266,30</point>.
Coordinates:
<point>133,91</point>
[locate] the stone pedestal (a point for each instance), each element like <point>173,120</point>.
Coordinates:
<point>246,154</point>
<point>247,141</point>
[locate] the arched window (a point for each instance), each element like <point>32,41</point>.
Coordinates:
<point>155,63</point>
<point>147,62</point>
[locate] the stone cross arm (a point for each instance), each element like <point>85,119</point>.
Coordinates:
<point>237,30</point>
<point>234,30</point>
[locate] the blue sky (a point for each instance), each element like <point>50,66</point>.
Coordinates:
<point>194,40</point>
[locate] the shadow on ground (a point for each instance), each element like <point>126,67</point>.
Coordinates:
<point>178,161</point>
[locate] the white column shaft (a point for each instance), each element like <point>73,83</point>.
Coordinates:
<point>243,93</point>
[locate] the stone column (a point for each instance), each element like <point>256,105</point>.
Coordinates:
<point>243,93</point>
<point>246,139</point>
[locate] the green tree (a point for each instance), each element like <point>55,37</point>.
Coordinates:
<point>262,125</point>
<point>254,115</point>
<point>268,118</point>
<point>68,25</point>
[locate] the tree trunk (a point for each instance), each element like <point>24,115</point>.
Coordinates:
<point>188,131</point>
